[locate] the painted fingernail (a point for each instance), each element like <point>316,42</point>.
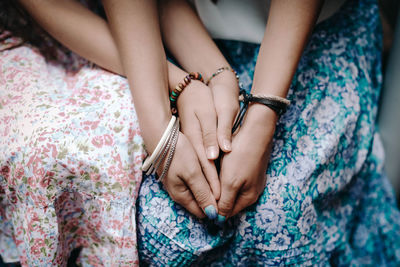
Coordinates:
<point>227,145</point>
<point>211,212</point>
<point>220,219</point>
<point>212,152</point>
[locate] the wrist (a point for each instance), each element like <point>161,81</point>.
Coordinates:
<point>152,126</point>
<point>260,120</point>
<point>227,77</point>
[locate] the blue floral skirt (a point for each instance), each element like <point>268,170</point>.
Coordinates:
<point>327,200</point>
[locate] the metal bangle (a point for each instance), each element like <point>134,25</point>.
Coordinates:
<point>150,159</point>
<point>170,155</point>
<point>160,159</point>
<point>219,71</point>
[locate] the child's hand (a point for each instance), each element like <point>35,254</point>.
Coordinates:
<point>243,170</point>
<point>199,123</point>
<point>186,183</point>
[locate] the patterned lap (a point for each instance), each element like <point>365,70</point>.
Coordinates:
<point>70,157</point>
<point>327,199</point>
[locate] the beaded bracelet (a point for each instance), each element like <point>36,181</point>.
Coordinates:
<point>219,71</point>
<point>180,87</point>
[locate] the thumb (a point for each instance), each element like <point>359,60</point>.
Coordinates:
<point>226,201</point>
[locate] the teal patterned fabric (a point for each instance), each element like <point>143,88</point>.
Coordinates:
<point>327,200</point>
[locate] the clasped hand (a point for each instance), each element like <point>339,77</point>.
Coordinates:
<point>207,114</point>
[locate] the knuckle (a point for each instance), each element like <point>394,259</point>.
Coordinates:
<point>191,172</point>
<point>234,184</point>
<point>201,197</point>
<point>189,175</point>
<point>224,130</point>
<point>224,207</point>
<point>209,136</point>
<point>204,163</point>
<point>173,196</point>
<point>252,197</point>
<point>178,198</point>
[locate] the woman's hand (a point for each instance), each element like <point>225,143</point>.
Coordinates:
<point>225,92</point>
<point>186,183</point>
<point>243,170</point>
<point>199,124</point>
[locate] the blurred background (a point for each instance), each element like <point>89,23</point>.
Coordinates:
<point>389,113</point>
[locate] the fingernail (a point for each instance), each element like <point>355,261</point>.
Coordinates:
<point>211,212</point>
<point>227,145</point>
<point>220,219</point>
<point>212,152</point>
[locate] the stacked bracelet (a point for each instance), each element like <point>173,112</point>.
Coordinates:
<point>219,71</point>
<point>165,148</point>
<point>276,103</point>
<point>180,87</point>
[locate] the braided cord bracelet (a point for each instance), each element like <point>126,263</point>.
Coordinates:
<point>276,103</point>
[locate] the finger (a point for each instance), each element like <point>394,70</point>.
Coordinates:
<point>185,198</point>
<point>201,192</point>
<point>227,200</point>
<point>244,200</point>
<point>208,124</point>
<point>226,117</point>
<point>227,107</point>
<point>194,135</point>
<point>210,172</point>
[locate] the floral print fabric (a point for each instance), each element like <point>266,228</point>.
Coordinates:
<point>70,157</point>
<point>327,200</point>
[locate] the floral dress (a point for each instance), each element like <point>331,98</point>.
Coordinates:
<point>327,200</point>
<point>70,157</point>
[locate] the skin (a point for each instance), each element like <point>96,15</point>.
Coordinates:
<point>242,179</point>
<point>90,36</point>
<point>188,41</point>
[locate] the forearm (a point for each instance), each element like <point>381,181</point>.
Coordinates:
<point>188,40</point>
<point>85,33</point>
<point>289,26</point>
<point>135,27</point>
<point>77,28</point>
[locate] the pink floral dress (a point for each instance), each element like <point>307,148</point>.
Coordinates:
<point>70,157</point>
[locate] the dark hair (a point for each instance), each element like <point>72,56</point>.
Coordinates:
<point>14,19</point>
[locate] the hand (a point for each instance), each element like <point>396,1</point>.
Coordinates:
<point>243,170</point>
<point>186,183</point>
<point>199,124</point>
<point>225,91</point>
